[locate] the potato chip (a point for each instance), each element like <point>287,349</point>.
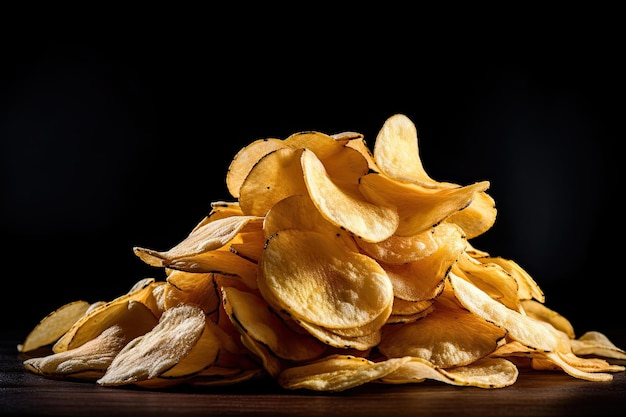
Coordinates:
<point>419,208</point>
<point>211,236</point>
<point>54,325</point>
<point>596,343</point>
<point>449,336</point>
<point>245,159</point>
<point>275,176</point>
<point>344,208</point>
<point>337,373</point>
<point>328,285</point>
<point>526,330</point>
<point>252,316</point>
<point>152,354</point>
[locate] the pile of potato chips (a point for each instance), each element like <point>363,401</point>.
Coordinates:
<point>333,266</point>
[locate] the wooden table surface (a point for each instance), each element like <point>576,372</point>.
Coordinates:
<point>536,393</point>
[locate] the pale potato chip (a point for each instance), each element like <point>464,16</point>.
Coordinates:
<point>211,236</point>
<point>155,352</point>
<point>540,311</point>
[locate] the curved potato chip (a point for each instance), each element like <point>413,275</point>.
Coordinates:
<point>369,221</point>
<point>245,159</point>
<point>596,343</point>
<point>337,373</point>
<point>334,339</point>
<point>419,208</point>
<point>212,235</point>
<point>526,330</point>
<point>88,361</point>
<point>317,280</point>
<point>106,315</point>
<point>486,373</point>
<point>400,249</point>
<point>54,325</point>
<point>275,176</point>
<point>478,217</point>
<point>449,336</point>
<point>396,152</point>
<point>423,279</point>
<point>491,278</point>
<point>539,311</point>
<point>252,315</point>
<point>155,352</point>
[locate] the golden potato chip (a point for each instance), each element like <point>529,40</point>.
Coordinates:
<point>419,208</point>
<point>328,285</point>
<point>491,278</point>
<point>478,217</point>
<point>337,340</point>
<point>526,330</point>
<point>424,279</point>
<point>54,325</point>
<point>245,159</point>
<point>400,249</point>
<point>275,176</point>
<point>252,315</point>
<point>342,207</point>
<point>396,152</point>
<point>449,336</point>
<point>337,373</point>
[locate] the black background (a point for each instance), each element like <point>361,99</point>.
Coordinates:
<point>118,127</point>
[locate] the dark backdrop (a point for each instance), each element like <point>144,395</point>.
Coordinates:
<point>118,132</point>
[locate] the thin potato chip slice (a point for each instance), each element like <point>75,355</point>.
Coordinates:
<point>275,176</point>
<point>54,325</point>
<point>337,373</point>
<point>419,208</point>
<point>252,316</point>
<point>400,249</point>
<point>211,236</point>
<point>539,311</point>
<point>157,351</point>
<point>476,218</point>
<point>90,360</point>
<point>245,159</point>
<point>596,343</point>
<point>396,152</point>
<point>449,336</point>
<point>320,281</point>
<point>526,330</point>
<point>344,208</point>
